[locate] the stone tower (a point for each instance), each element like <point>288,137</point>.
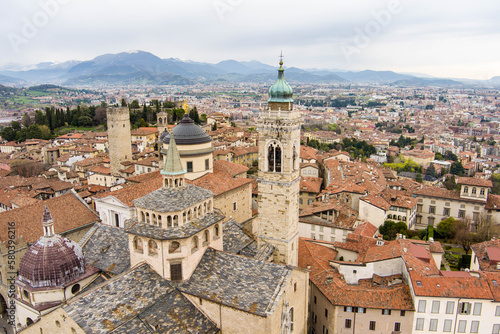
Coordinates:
<point>279,172</point>
<point>119,139</point>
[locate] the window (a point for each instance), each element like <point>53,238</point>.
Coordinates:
<point>419,207</point>
<point>207,164</point>
<point>138,244</point>
<point>420,324</point>
<point>477,308</point>
<point>421,306</point>
<point>466,189</point>
<point>189,166</point>
<point>386,312</point>
<point>433,325</point>
<point>447,204</point>
<point>290,313</point>
<point>361,310</point>
<point>432,209</point>
<point>474,326</point>
<point>496,329</point>
<point>447,325</point>
<point>449,307</point>
<point>446,211</point>
<point>435,306</point>
<point>461,213</point>
<point>462,324</point>
<point>481,192</point>
<point>234,206</point>
<point>152,248</point>
<point>397,327</point>
<point>464,308</point>
<point>347,308</point>
<point>372,325</point>
<point>314,299</point>
<point>431,221</point>
<point>175,247</point>
<point>326,313</point>
<point>497,311</point>
<point>402,313</point>
<point>475,216</point>
<point>176,271</point>
<point>315,318</point>
<point>348,323</point>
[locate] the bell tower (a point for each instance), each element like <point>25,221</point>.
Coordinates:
<point>279,172</point>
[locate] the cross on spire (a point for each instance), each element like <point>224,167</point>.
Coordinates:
<point>281,58</point>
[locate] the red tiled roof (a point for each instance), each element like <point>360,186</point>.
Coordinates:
<point>220,183</point>
<point>228,168</point>
<point>472,181</point>
<point>311,184</point>
<point>68,212</point>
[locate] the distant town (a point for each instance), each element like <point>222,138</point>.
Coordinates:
<point>250,207</point>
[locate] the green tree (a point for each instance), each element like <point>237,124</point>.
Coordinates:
<point>85,121</point>
<point>134,104</point>
<point>124,103</point>
<point>456,168</point>
<point>419,178</point>
<point>389,229</point>
<point>450,183</point>
<point>431,170</point>
<point>495,179</point>
<point>26,120</point>
<point>8,133</point>
<point>214,126</point>
<point>447,228</point>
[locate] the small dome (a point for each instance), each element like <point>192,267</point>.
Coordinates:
<point>280,91</point>
<point>187,133</point>
<point>50,262</point>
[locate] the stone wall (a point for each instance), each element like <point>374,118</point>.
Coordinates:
<point>120,148</point>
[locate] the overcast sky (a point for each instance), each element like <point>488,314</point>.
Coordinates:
<point>443,38</point>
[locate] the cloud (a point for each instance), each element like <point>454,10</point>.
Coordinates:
<point>442,37</point>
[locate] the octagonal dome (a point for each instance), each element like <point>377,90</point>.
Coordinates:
<point>187,133</point>
<point>51,262</point>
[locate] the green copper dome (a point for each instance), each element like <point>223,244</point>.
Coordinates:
<point>280,91</point>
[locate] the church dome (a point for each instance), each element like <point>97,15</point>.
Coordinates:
<point>187,133</point>
<point>50,262</point>
<point>280,91</point>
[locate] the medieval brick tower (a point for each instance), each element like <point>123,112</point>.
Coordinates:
<point>119,139</point>
<point>279,172</point>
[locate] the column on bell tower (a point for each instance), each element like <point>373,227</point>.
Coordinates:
<point>279,172</point>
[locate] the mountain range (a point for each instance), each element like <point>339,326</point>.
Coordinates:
<point>144,68</point>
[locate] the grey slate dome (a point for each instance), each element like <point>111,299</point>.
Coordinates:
<point>187,133</point>
<point>51,262</point>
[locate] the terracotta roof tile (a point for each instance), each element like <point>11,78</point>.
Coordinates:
<point>68,212</point>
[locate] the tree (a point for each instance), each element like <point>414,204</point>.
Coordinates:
<point>8,133</point>
<point>450,183</point>
<point>456,168</point>
<point>100,115</point>
<point>448,155</point>
<point>135,105</point>
<point>447,228</point>
<point>124,103</point>
<point>486,227</point>
<point>390,229</point>
<point>463,236</point>
<point>419,178</point>
<point>85,121</point>
<point>214,126</point>
<point>431,170</point>
<point>26,120</point>
<point>495,179</point>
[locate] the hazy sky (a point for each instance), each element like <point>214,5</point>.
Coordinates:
<point>442,38</point>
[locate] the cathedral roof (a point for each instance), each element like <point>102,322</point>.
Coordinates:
<point>173,199</point>
<point>51,262</point>
<point>280,91</point>
<point>133,303</point>
<point>239,282</point>
<point>187,133</point>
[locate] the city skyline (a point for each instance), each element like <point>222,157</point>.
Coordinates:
<point>445,39</point>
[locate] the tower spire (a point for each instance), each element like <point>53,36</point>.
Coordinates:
<point>173,172</point>
<point>47,223</point>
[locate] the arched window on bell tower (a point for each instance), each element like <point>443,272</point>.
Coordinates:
<point>274,160</point>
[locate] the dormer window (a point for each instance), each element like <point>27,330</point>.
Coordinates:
<point>474,191</point>
<point>481,192</point>
<point>466,190</point>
